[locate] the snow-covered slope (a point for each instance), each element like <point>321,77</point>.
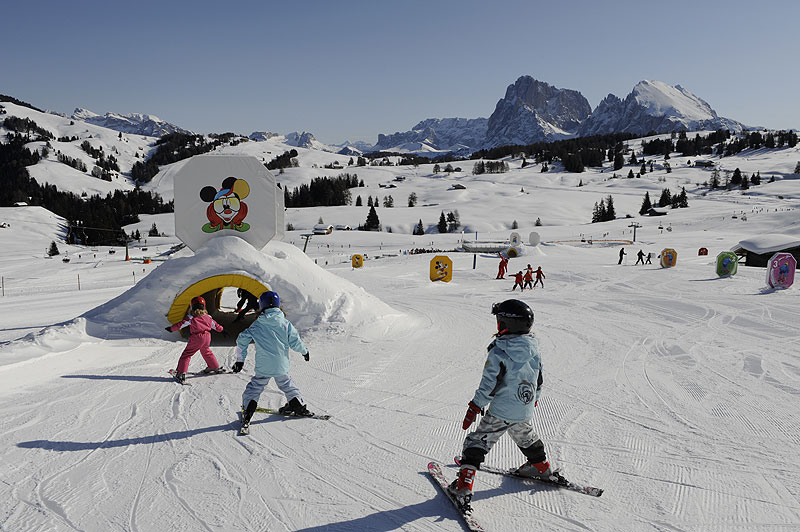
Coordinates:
<point>673,389</point>
<point>655,106</point>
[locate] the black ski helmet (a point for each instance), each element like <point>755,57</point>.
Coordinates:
<point>513,316</point>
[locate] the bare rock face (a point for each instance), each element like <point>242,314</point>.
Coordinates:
<point>534,111</point>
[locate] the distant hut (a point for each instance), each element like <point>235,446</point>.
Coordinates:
<point>758,250</point>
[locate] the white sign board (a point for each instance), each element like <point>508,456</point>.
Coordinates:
<point>226,195</point>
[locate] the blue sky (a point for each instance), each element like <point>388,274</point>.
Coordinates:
<point>350,70</point>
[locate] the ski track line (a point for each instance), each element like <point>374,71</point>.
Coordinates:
<point>53,505</point>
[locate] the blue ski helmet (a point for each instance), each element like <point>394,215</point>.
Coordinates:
<point>269,300</point>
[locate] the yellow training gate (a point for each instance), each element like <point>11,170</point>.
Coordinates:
<point>211,289</point>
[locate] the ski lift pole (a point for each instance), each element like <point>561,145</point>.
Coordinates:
<point>79,282</point>
<point>635,226</point>
<point>307,237</point>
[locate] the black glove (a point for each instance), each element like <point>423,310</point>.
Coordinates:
<point>237,366</point>
<point>168,328</point>
<point>306,356</point>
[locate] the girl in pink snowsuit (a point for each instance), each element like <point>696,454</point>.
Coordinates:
<point>200,324</point>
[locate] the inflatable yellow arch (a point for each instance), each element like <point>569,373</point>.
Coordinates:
<point>211,289</point>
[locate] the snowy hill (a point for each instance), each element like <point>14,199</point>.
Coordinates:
<point>655,106</point>
<point>133,123</point>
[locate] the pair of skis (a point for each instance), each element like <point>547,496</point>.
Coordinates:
<point>466,511</point>
<point>245,429</point>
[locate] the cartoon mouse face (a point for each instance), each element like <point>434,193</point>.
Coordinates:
<point>226,210</point>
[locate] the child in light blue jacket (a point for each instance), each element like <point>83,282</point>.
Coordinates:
<point>273,335</point>
<point>510,388</point>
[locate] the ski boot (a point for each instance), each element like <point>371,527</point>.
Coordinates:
<point>461,488</point>
<point>541,470</point>
<point>295,408</point>
<point>180,377</point>
<point>247,414</point>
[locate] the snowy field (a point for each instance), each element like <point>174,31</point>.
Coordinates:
<point>674,390</point>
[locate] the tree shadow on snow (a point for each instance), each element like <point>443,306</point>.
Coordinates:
<point>125,442</point>
<point>134,378</point>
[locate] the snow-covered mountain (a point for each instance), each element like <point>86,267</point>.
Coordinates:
<point>534,111</point>
<point>655,106</point>
<point>133,123</point>
<point>261,135</point>
<point>437,134</point>
<point>306,140</point>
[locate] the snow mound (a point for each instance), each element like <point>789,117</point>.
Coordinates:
<point>310,296</point>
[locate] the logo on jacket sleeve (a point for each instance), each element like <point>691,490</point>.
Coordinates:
<point>526,392</point>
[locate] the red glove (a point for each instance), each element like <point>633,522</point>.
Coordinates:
<point>469,418</point>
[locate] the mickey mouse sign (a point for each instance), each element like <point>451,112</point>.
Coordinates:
<point>226,210</point>
<point>227,195</point>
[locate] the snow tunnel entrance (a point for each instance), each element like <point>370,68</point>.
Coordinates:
<point>223,312</point>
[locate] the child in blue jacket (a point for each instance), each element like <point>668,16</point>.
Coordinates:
<point>510,388</point>
<point>273,335</point>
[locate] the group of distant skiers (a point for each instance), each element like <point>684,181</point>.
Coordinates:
<point>640,257</point>
<point>523,280</point>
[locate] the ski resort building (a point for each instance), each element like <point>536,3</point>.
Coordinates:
<point>758,250</point>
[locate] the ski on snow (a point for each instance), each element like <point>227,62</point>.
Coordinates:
<point>555,480</point>
<point>193,374</point>
<point>274,411</point>
<point>435,471</point>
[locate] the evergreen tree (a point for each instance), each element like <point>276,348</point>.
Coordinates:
<point>359,203</point>
<point>619,161</point>
<point>737,177</point>
<point>756,179</point>
<point>436,168</point>
<point>419,229</point>
<point>53,249</point>
<point>643,169</point>
<point>630,174</point>
<point>373,223</point>
<point>646,204</point>
<point>538,222</point>
<point>714,182</point>
<point>442,225</point>
<point>514,225</point>
<point>153,230</point>
<point>412,199</point>
<point>633,159</point>
<point>666,198</point>
<point>369,201</point>
<point>611,214</point>
<point>683,201</point>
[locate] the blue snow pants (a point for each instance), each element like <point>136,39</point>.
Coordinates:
<point>257,384</point>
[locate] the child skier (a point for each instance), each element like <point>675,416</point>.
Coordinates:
<point>518,282</point>
<point>200,324</point>
<point>510,387</point>
<point>273,335</point>
<point>539,277</point>
<point>528,277</point>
